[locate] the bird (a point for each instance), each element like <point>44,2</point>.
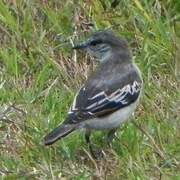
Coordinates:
<point>111,93</point>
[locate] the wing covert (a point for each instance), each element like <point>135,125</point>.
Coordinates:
<point>103,103</point>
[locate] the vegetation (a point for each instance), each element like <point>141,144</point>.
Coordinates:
<point>40,74</point>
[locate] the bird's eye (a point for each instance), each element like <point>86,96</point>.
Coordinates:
<point>94,43</point>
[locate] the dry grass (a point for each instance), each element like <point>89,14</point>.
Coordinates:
<point>39,75</point>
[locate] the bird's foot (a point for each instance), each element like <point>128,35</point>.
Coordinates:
<point>96,153</point>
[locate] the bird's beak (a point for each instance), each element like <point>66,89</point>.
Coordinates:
<point>80,46</point>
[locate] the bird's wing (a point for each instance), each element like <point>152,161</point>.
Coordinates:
<point>98,103</point>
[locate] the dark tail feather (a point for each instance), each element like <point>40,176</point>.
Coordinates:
<point>59,132</point>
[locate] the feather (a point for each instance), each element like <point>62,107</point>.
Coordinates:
<point>103,103</point>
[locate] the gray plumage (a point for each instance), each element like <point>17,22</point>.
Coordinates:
<point>112,92</point>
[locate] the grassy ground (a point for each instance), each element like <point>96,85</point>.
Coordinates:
<point>37,86</point>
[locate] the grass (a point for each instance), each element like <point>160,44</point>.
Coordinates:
<point>40,74</point>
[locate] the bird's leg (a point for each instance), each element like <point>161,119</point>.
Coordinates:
<point>96,154</point>
<point>88,141</point>
<point>87,136</point>
<point>111,135</point>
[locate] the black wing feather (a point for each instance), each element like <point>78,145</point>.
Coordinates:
<point>102,103</point>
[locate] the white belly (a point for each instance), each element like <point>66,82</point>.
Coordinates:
<point>112,121</point>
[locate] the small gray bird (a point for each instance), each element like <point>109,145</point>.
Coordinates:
<point>109,96</point>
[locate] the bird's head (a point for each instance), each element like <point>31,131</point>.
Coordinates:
<point>102,44</point>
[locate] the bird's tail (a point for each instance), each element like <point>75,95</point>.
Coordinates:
<point>59,132</point>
